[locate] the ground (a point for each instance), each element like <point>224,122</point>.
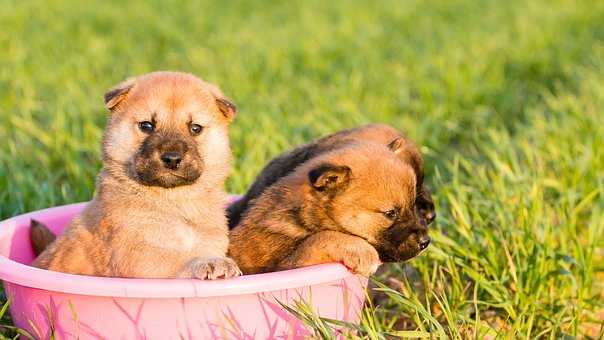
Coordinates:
<point>506,99</point>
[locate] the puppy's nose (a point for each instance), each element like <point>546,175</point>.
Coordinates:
<point>171,159</point>
<point>424,242</point>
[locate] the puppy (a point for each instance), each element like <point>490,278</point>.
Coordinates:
<point>159,205</point>
<point>355,204</point>
<point>379,133</point>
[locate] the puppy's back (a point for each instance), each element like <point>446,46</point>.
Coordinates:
<point>285,163</point>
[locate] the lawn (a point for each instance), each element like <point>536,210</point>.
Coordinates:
<point>506,99</point>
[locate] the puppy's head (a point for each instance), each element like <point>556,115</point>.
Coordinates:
<point>407,151</point>
<point>167,129</point>
<point>369,192</point>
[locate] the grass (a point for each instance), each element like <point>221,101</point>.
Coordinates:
<point>506,99</point>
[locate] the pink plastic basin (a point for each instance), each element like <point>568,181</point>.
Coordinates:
<point>68,306</point>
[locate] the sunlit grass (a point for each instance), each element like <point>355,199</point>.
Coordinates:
<point>505,98</point>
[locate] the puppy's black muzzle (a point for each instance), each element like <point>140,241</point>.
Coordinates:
<point>403,241</point>
<point>167,161</point>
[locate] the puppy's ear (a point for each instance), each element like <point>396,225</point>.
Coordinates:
<point>425,205</point>
<point>224,105</point>
<point>228,109</point>
<point>329,177</point>
<point>409,153</point>
<point>117,94</point>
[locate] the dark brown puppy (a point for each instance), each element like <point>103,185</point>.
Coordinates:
<point>288,161</point>
<point>355,205</point>
<point>158,211</point>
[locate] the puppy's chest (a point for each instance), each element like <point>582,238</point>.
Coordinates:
<point>173,234</point>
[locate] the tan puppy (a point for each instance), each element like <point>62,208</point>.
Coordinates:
<point>288,161</point>
<point>159,205</point>
<point>355,205</point>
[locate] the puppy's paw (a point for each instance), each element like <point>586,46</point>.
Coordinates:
<point>361,260</point>
<point>213,268</point>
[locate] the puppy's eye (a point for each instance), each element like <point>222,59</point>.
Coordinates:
<point>146,126</point>
<point>391,214</point>
<point>195,129</point>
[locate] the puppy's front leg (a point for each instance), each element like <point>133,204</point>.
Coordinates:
<point>332,246</point>
<point>210,268</point>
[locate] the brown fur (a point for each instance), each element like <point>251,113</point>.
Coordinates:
<point>331,208</point>
<point>148,220</point>
<point>288,161</point>
<point>40,236</point>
